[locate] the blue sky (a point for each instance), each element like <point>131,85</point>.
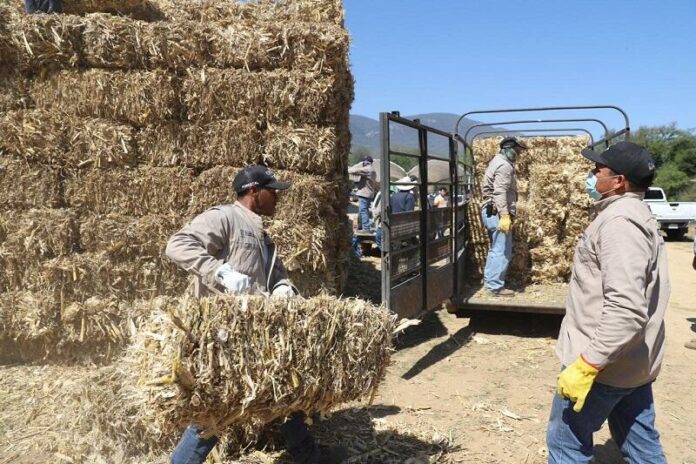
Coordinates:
<point>453,56</point>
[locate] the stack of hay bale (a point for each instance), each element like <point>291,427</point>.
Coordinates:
<point>552,211</point>
<point>119,121</point>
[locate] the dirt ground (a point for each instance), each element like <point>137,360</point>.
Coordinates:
<point>459,391</point>
<point>482,387</point>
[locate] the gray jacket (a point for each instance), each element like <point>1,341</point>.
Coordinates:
<point>367,185</point>
<point>618,294</point>
<point>227,233</point>
<point>500,185</point>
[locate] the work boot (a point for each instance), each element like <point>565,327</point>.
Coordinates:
<point>502,292</point>
<point>691,344</point>
<point>332,454</point>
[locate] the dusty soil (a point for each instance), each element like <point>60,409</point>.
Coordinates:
<point>459,391</point>
<point>486,383</point>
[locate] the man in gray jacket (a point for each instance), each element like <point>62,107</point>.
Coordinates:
<point>611,342</point>
<point>227,250</point>
<point>499,207</point>
<point>367,186</point>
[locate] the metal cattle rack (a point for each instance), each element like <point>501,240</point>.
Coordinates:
<point>424,251</point>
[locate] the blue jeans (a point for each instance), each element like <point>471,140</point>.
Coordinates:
<point>631,416</point>
<point>498,256</point>
<point>364,212</point>
<point>192,449</point>
<point>43,6</point>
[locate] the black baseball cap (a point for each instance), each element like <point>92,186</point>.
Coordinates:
<point>628,159</point>
<point>256,176</point>
<point>512,142</point>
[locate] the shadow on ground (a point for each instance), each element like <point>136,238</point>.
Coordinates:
<point>354,429</point>
<point>607,453</point>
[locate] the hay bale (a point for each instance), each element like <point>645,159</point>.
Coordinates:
<point>124,237</point>
<point>27,317</point>
<point>246,361</point>
<point>135,192</point>
<point>133,97</point>
<point>25,186</point>
<point>310,149</point>
<point>229,12</point>
<point>14,89</point>
<point>201,146</point>
<point>46,41</point>
<point>38,233</point>
<point>136,9</point>
<point>66,141</point>
<point>79,277</point>
<point>552,211</point>
<point>267,97</point>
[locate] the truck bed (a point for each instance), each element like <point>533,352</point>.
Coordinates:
<point>536,298</point>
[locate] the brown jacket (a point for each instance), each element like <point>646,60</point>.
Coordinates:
<point>367,185</point>
<point>500,185</point>
<point>227,233</point>
<point>618,294</point>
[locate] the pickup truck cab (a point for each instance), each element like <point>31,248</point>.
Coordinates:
<point>673,217</point>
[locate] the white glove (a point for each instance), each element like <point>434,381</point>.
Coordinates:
<point>233,281</point>
<point>283,291</point>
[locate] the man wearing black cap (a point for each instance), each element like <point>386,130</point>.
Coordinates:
<point>499,203</point>
<point>611,342</point>
<point>366,189</point>
<point>228,251</point>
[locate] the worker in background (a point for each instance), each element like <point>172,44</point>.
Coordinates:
<point>499,203</point>
<point>441,201</point>
<point>228,251</point>
<point>692,343</point>
<point>401,201</point>
<point>366,190</point>
<point>611,342</point>
<point>43,6</point>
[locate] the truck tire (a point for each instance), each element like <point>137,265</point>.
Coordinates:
<point>675,234</point>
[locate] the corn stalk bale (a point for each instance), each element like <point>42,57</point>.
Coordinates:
<point>133,97</point>
<point>81,276</point>
<point>25,186</point>
<point>135,192</point>
<point>201,146</point>
<point>267,97</point>
<point>311,149</point>
<point>33,135</point>
<point>114,42</point>
<point>124,237</point>
<point>229,12</point>
<point>245,361</point>
<point>6,52</point>
<point>136,9</point>
<point>552,209</point>
<point>14,90</point>
<point>44,233</point>
<point>46,41</point>
<point>99,143</point>
<point>26,316</point>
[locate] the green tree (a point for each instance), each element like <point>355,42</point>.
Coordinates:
<point>671,179</point>
<point>683,153</point>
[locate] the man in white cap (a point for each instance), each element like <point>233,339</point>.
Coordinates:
<point>403,200</point>
<point>611,342</point>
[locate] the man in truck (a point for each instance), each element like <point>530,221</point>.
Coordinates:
<point>499,203</point>
<point>611,341</point>
<point>367,186</point>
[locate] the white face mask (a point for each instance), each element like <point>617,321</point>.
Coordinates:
<point>591,186</point>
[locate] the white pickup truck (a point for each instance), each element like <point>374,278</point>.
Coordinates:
<point>674,218</point>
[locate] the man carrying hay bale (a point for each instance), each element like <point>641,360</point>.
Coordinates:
<point>228,251</point>
<point>611,342</point>
<point>499,207</point>
<point>367,186</point>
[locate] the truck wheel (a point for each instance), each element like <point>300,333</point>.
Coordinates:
<point>675,234</point>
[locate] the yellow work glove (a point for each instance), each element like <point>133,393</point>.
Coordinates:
<point>575,382</point>
<point>505,223</point>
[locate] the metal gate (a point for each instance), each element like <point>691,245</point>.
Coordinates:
<point>423,249</point>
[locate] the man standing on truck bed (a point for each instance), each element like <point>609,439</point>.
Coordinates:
<point>611,342</point>
<point>499,203</point>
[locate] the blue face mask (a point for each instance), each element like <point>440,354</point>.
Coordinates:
<point>510,154</point>
<point>591,186</point>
